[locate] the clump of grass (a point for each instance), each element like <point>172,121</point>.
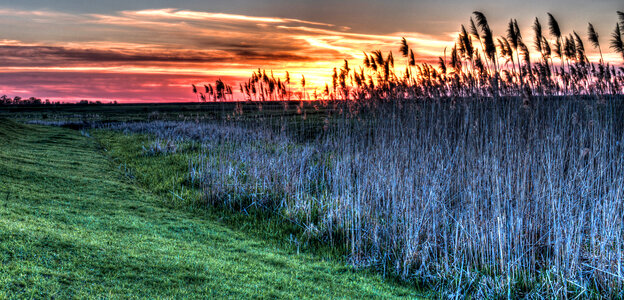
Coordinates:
<point>159,147</point>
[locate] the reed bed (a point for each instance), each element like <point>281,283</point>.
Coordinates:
<point>482,198</point>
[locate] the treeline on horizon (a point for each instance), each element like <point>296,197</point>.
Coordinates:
<point>480,64</point>
<point>33,101</point>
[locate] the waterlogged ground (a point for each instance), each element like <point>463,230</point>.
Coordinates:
<point>72,224</point>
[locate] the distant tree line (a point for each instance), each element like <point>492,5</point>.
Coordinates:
<point>17,100</point>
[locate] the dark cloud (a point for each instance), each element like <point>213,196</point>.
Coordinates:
<point>280,56</point>
<point>31,56</point>
<point>38,54</point>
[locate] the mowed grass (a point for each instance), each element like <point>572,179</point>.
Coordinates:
<point>73,225</point>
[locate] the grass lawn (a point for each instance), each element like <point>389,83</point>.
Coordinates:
<point>73,225</point>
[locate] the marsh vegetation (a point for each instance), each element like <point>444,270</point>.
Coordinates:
<point>481,198</point>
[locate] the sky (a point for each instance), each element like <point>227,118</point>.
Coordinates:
<point>152,51</point>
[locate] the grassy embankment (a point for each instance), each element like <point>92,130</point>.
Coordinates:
<point>73,225</point>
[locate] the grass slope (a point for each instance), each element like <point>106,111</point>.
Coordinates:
<point>71,225</point>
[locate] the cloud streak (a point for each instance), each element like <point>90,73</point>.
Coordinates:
<point>171,13</point>
<point>33,56</point>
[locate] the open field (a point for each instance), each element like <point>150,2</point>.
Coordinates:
<point>73,224</point>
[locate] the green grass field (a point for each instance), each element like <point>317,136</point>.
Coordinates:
<point>72,224</point>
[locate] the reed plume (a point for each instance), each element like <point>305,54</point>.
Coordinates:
<point>412,60</point>
<point>488,36</point>
<point>580,48</point>
<point>554,26</point>
<point>616,41</point>
<point>537,29</point>
<point>404,49</point>
<point>594,39</point>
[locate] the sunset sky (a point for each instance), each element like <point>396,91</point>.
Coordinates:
<point>152,51</point>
